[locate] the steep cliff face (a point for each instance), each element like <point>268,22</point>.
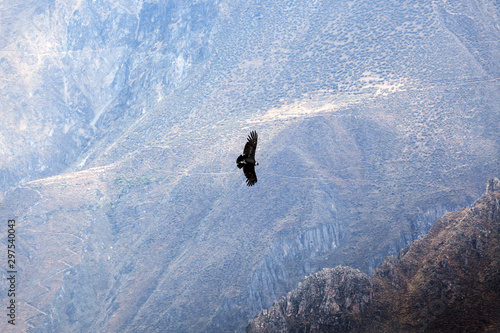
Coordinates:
<point>78,74</point>
<point>448,281</point>
<point>419,224</point>
<point>282,269</point>
<point>327,301</point>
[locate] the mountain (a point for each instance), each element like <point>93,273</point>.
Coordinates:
<point>330,300</point>
<point>121,122</point>
<point>448,281</point>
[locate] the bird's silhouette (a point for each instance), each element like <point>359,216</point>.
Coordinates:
<point>247,159</point>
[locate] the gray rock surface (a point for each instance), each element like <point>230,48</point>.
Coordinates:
<point>448,281</point>
<point>327,301</point>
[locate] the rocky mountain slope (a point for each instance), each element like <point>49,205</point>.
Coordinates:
<point>448,281</point>
<point>121,122</point>
<point>327,301</point>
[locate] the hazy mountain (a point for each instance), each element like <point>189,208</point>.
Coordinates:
<point>122,120</point>
<point>448,281</point>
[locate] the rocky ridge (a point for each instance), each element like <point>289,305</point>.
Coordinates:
<point>448,281</point>
<point>326,301</point>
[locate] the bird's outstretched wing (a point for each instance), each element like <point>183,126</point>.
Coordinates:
<point>249,171</point>
<point>251,145</point>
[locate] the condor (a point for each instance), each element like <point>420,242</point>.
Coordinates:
<point>247,160</point>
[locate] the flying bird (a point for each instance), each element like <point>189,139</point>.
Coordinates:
<point>247,160</point>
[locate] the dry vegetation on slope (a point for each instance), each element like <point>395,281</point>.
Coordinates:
<point>448,281</point>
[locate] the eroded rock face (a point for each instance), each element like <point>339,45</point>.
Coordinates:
<point>448,281</point>
<point>493,186</point>
<point>326,301</point>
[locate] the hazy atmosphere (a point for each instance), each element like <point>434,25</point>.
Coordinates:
<point>121,123</point>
